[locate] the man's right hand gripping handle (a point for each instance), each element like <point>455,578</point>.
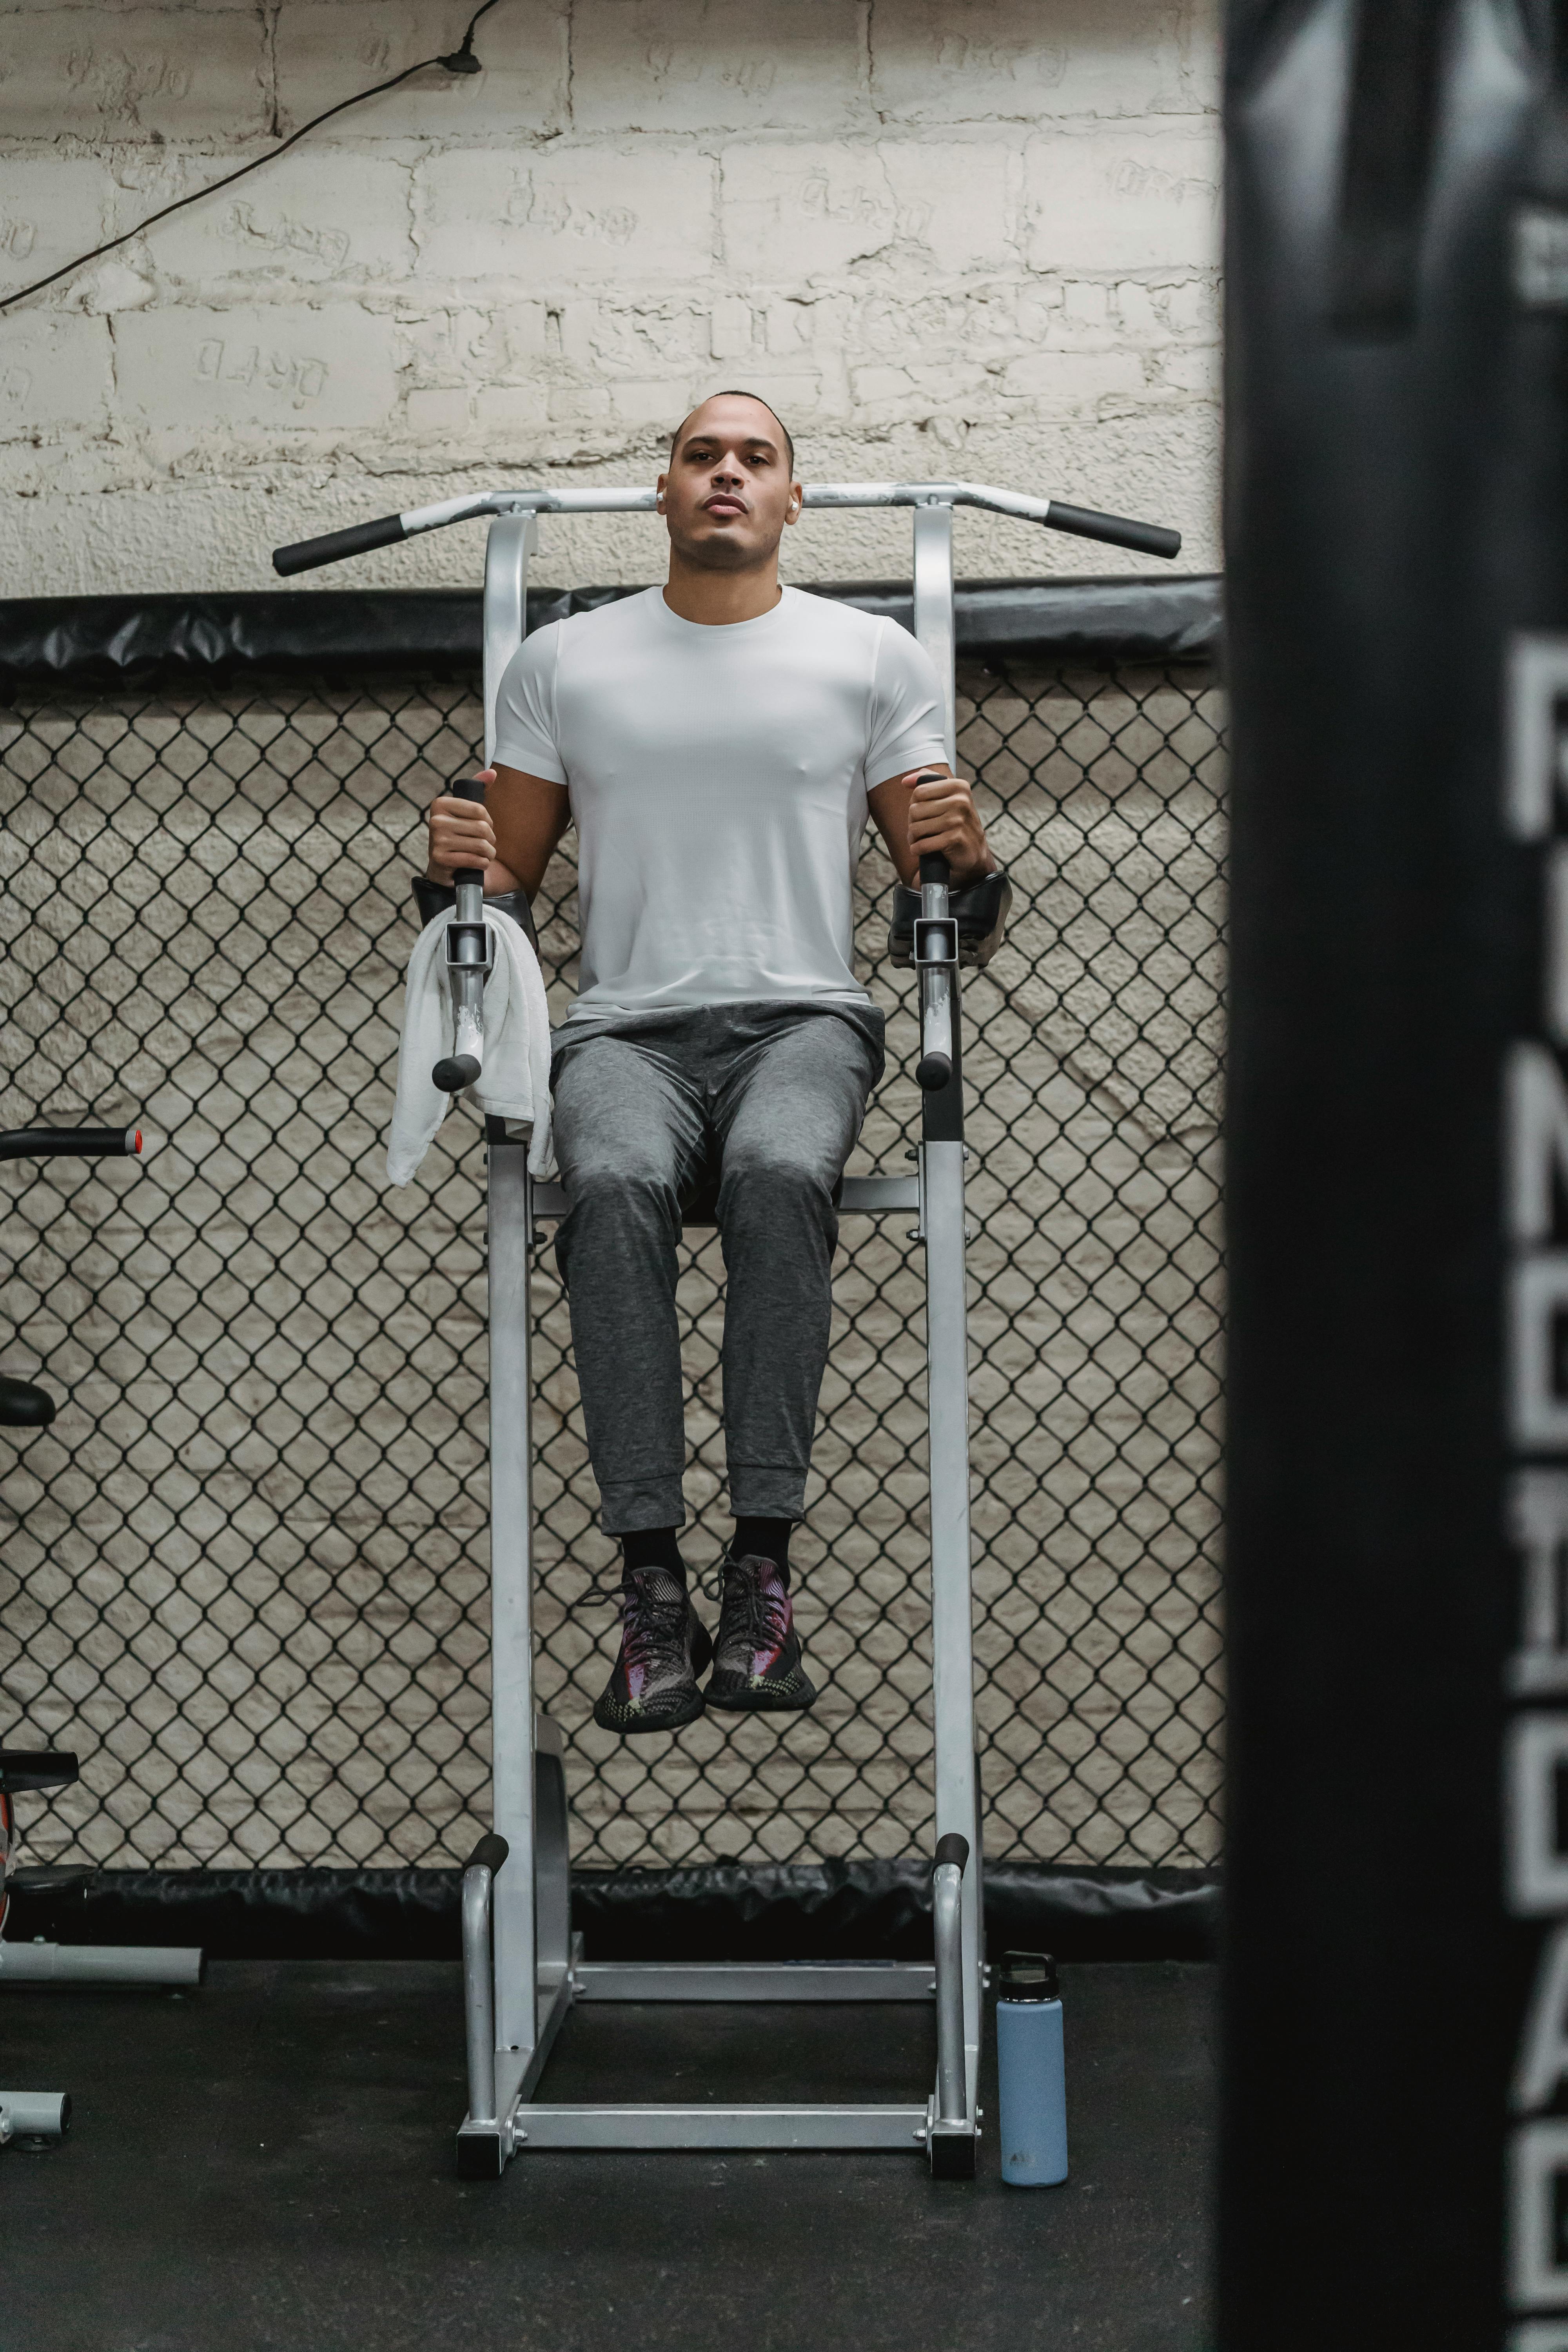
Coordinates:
<point>468,962</point>
<point>937,1004</point>
<point>447,835</point>
<point>468,789</point>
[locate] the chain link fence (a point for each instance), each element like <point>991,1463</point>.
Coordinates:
<point>245,1571</point>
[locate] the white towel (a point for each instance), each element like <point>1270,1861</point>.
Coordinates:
<point>514,1083</point>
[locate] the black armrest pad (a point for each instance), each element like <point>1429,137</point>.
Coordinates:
<point>435,899</point>
<point>35,1768</point>
<point>980,909</point>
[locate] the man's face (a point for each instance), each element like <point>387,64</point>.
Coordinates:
<point>728,495</point>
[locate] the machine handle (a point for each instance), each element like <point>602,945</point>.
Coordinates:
<point>951,1848</point>
<point>71,1143</point>
<point>935,871</point>
<point>933,1071</point>
<point>468,788</point>
<point>37,1768</point>
<point>1114,530</point>
<point>309,554</point>
<point>490,1853</point>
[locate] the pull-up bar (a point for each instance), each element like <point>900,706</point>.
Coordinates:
<point>1053,514</point>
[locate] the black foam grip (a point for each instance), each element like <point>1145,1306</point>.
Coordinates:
<point>71,1143</point>
<point>1114,530</point>
<point>934,868</point>
<point>309,554</point>
<point>37,1768</point>
<point>952,1848</point>
<point>488,1854</point>
<point>467,788</point>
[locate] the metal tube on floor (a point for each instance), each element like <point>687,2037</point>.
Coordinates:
<point>104,1964</point>
<point>34,2114</point>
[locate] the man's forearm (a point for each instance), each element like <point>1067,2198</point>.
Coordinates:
<point>530,814</point>
<point>512,835</point>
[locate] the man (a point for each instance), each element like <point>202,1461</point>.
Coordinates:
<point>718,744</point>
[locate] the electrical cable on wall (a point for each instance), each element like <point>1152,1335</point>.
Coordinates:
<point>460,60</point>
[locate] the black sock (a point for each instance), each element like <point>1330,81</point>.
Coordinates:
<point>653,1547</point>
<point>764,1539</point>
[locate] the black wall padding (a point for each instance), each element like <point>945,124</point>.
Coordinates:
<point>102,644</point>
<point>847,1910</point>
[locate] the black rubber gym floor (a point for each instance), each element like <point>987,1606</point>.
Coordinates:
<point>266,2166</point>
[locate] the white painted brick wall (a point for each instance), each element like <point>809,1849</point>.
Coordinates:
<point>946,237</point>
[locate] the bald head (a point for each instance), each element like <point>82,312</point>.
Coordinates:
<point>699,414</point>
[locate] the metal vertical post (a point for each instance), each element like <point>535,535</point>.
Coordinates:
<point>952,1665</point>
<point>511,540</point>
<point>947,1334</point>
<point>511,1234</point>
<point>933,606</point>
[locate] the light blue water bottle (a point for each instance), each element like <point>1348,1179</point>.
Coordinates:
<point>1030,2072</point>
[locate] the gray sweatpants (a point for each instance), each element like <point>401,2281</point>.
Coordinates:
<point>651,1109</point>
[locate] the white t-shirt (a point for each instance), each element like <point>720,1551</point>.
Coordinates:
<point>718,779</point>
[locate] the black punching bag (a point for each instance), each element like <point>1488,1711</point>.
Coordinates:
<point>1394,2168</point>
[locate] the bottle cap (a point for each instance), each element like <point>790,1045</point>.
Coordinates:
<point>1028,1975</point>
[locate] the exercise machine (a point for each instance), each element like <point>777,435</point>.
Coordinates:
<point>35,2118</point>
<point>524,1970</point>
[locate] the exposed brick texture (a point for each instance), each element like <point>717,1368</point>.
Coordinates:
<point>974,237</point>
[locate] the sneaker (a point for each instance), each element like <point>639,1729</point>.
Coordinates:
<point>664,1648</point>
<point>756,1665</point>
